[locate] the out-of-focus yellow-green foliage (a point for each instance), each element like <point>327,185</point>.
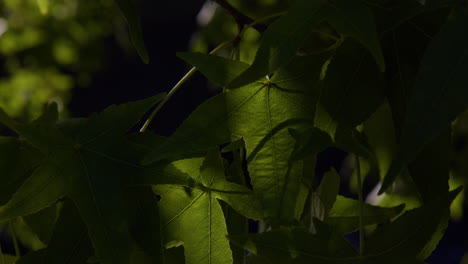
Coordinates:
<point>48,47</point>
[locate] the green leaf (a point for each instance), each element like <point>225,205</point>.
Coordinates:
<point>70,242</point>
<point>344,215</point>
<point>32,257</point>
<point>131,16</point>
<point>181,207</point>
<point>297,246</point>
<point>328,189</point>
<point>262,115</point>
<point>310,142</point>
<point>281,40</point>
<point>219,70</point>
<point>90,166</point>
<point>17,160</point>
<point>9,259</point>
<point>439,95</point>
<point>236,223</point>
<point>42,223</point>
<point>415,233</point>
<point>353,18</point>
<point>352,89</point>
<point>322,200</point>
<point>431,168</point>
<point>395,13</point>
<point>391,243</point>
<point>196,219</point>
<point>380,133</point>
<point>210,176</point>
<point>144,225</point>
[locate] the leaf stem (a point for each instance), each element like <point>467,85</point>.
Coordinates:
<point>176,88</point>
<point>361,206</point>
<point>15,239</point>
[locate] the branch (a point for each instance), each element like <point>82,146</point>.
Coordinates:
<point>241,19</point>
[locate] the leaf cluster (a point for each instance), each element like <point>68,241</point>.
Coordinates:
<point>94,192</point>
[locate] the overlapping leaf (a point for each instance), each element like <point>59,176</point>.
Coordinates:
<point>69,242</point>
<point>390,244</point>
<point>439,95</point>
<point>352,88</point>
<point>352,91</point>
<point>88,161</point>
<point>353,18</point>
<point>282,39</point>
<point>344,215</point>
<point>261,113</point>
<point>217,69</point>
<point>297,246</point>
<point>194,216</point>
<point>395,240</point>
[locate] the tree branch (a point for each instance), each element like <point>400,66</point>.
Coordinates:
<point>241,19</point>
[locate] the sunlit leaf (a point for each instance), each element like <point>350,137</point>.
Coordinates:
<point>184,207</point>
<point>260,113</point>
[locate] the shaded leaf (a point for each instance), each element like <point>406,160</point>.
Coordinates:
<point>328,189</point>
<point>89,166</point>
<point>439,95</point>
<point>17,160</point>
<point>144,225</point>
<point>309,142</point>
<point>344,215</point>
<point>219,70</point>
<point>131,16</point>
<point>431,168</point>
<point>394,240</point>
<point>297,246</point>
<point>352,88</point>
<point>281,40</point>
<point>42,223</point>
<point>70,242</point>
<point>353,18</point>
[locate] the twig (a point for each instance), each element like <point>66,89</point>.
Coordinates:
<point>176,88</point>
<point>361,206</point>
<point>15,239</point>
<point>241,19</point>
